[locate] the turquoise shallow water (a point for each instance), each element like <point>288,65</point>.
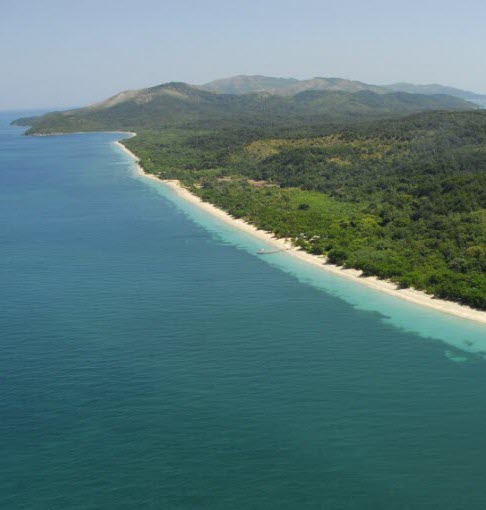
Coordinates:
<point>148,359</point>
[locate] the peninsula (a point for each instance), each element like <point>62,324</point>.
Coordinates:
<point>388,188</point>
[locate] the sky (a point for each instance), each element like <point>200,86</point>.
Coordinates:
<point>60,53</point>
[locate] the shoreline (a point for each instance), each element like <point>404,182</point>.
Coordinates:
<point>81,133</point>
<point>411,295</point>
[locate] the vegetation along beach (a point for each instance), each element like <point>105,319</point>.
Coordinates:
<point>382,184</point>
<point>287,245</point>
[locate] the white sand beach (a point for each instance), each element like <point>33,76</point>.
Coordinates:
<point>411,295</point>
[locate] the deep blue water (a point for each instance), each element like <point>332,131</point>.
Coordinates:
<point>148,359</point>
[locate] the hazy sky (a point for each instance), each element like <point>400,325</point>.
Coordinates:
<point>56,53</point>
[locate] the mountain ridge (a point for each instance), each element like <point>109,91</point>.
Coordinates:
<point>244,84</point>
<point>180,104</point>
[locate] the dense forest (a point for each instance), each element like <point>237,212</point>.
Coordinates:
<point>399,197</point>
<point>403,199</point>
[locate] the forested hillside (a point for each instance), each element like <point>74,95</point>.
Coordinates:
<point>287,86</point>
<point>401,199</point>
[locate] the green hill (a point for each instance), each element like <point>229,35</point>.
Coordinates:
<point>243,84</point>
<point>285,86</point>
<point>179,104</point>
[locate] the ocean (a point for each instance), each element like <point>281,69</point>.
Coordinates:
<point>150,359</point>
